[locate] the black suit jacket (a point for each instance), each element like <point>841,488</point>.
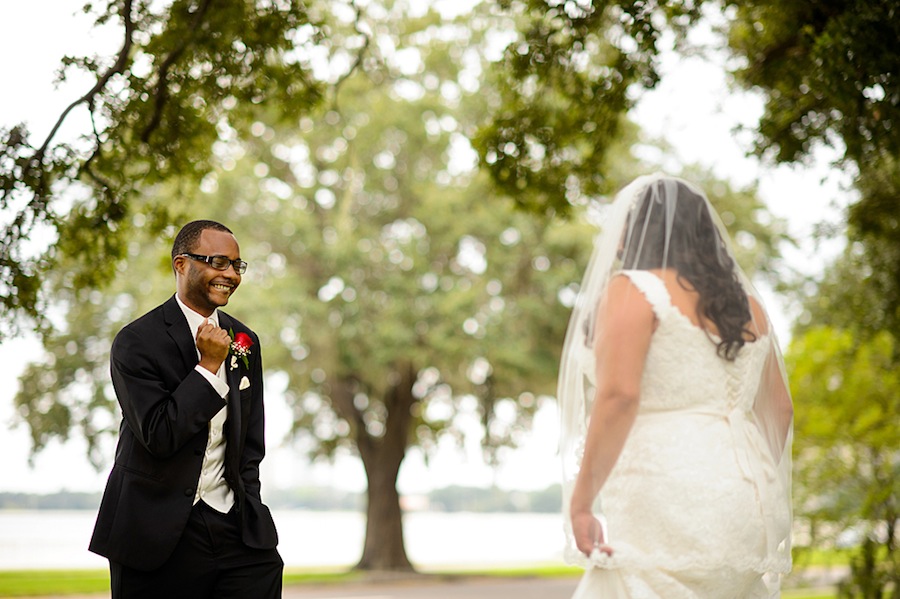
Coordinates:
<point>166,408</point>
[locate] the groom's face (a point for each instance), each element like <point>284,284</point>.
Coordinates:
<point>202,287</point>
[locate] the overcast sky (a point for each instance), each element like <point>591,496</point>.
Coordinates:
<point>692,109</point>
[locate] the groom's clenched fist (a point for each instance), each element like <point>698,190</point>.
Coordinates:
<point>213,344</point>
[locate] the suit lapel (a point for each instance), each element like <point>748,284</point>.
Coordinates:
<point>233,376</point>
<point>180,332</point>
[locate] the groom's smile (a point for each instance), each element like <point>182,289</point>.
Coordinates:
<point>224,288</point>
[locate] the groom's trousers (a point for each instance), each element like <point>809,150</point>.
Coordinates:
<point>209,562</point>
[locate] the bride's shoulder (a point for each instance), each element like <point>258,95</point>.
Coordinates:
<point>626,281</point>
<point>623,289</point>
<point>625,307</point>
<point>627,296</point>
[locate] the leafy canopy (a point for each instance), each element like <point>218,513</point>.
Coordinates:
<point>187,75</point>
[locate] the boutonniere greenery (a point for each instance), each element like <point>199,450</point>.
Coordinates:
<point>240,348</point>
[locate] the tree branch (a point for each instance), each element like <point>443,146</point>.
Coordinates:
<point>116,69</point>
<point>86,167</point>
<point>161,93</point>
<point>359,56</point>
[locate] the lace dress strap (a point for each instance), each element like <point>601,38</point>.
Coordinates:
<point>653,289</point>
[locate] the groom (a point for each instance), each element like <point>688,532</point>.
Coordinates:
<point>181,516</point>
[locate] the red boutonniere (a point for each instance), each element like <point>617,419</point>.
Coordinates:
<point>240,348</point>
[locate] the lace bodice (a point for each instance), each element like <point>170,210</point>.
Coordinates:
<point>680,349</point>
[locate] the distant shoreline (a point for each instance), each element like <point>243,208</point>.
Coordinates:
<point>448,499</point>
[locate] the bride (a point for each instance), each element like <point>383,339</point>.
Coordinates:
<point>676,427</point>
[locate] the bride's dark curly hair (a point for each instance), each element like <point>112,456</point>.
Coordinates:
<point>698,254</point>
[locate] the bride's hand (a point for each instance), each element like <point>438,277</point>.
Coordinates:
<point>589,534</point>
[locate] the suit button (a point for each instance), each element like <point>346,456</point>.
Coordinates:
<point>188,492</point>
<point>198,452</point>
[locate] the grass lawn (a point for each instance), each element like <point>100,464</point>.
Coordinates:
<point>809,594</point>
<point>31,583</point>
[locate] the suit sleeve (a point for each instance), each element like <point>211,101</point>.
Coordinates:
<point>162,419</point>
<point>255,445</point>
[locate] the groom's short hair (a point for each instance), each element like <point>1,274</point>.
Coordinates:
<point>189,236</point>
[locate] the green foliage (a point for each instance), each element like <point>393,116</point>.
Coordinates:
<point>846,464</point>
<point>188,75</point>
<point>846,388</point>
<point>875,230</point>
<point>559,94</point>
<point>874,569</point>
<point>828,71</point>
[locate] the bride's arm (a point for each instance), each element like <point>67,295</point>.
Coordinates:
<point>625,323</point>
<point>773,401</point>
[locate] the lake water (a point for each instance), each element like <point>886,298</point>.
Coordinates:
<point>59,539</point>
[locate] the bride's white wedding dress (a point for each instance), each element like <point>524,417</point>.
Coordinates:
<point>695,502</point>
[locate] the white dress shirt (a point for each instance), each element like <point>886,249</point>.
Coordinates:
<point>211,487</point>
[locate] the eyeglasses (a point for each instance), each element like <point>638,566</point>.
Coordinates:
<point>220,262</point>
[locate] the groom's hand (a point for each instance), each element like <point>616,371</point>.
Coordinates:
<point>213,344</point>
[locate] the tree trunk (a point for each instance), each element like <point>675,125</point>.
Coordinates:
<point>384,548</point>
<point>381,457</point>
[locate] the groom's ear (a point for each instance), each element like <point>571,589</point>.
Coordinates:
<point>179,264</point>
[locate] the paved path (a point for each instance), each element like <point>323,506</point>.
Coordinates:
<point>468,588</point>
<point>423,588</point>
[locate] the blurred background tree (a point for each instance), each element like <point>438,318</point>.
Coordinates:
<point>830,76</point>
<point>846,464</point>
<point>843,362</point>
